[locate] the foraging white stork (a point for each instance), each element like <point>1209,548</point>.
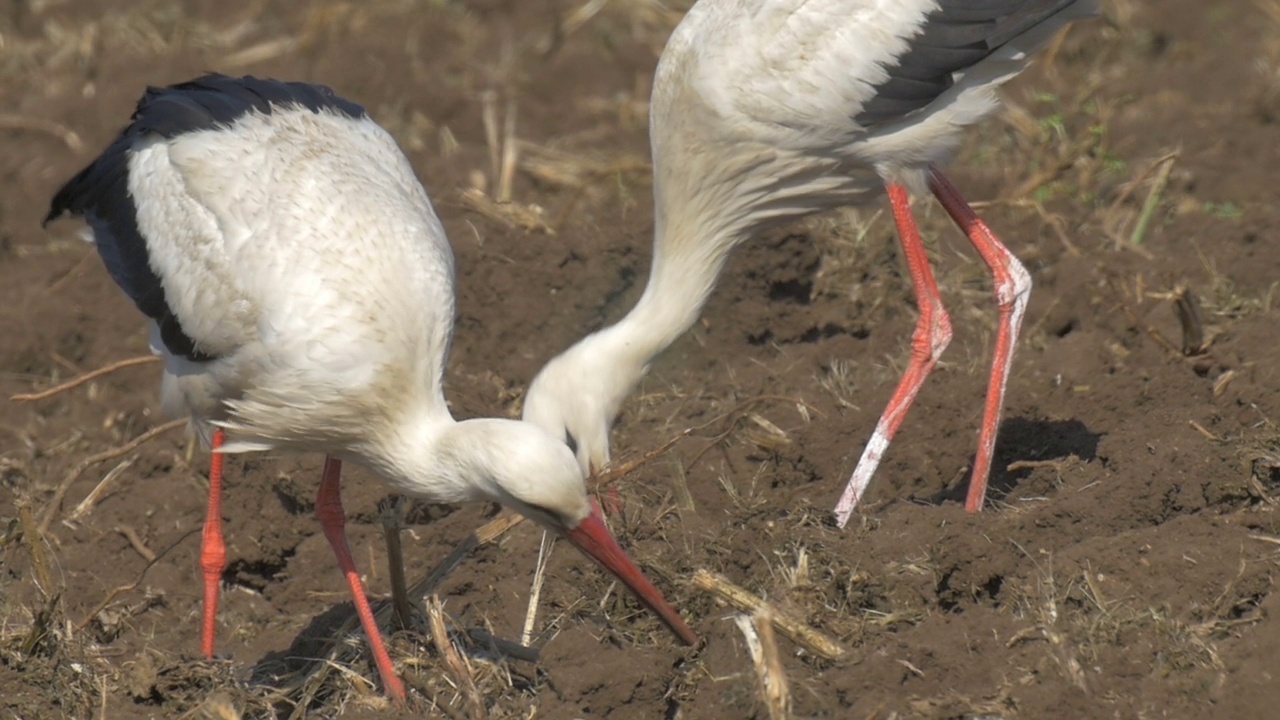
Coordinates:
<point>765,111</point>
<point>300,289</point>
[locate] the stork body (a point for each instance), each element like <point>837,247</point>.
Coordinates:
<point>766,111</point>
<point>301,293</point>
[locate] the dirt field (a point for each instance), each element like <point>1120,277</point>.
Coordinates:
<point>1124,567</point>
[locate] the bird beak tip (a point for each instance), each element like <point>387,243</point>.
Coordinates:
<point>593,538</point>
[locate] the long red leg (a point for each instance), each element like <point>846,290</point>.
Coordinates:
<point>213,550</point>
<point>932,334</point>
<point>333,521</point>
<point>1012,289</point>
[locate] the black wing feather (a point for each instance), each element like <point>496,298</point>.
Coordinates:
<point>956,36</point>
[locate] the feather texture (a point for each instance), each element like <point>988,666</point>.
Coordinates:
<point>241,215</point>
<point>102,195</point>
<point>955,36</point>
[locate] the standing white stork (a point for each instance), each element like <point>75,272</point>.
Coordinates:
<point>765,111</point>
<point>300,289</point>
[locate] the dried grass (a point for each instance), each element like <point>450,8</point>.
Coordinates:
<point>742,600</point>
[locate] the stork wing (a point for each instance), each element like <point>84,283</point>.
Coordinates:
<point>105,194</point>
<point>834,68</point>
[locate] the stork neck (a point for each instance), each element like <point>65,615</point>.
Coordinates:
<point>416,456</point>
<point>714,198</point>
<point>682,276</point>
<point>514,463</point>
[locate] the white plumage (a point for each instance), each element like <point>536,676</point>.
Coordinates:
<point>765,111</point>
<point>311,264</point>
<point>301,291</point>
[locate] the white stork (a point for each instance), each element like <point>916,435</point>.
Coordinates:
<point>766,111</point>
<point>301,294</point>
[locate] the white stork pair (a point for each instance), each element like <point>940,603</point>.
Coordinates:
<point>300,286</point>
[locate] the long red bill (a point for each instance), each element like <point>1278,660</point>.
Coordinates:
<point>596,542</point>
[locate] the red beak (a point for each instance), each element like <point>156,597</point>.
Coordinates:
<point>596,542</point>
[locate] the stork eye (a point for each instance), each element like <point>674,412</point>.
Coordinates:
<point>548,514</point>
<point>571,441</point>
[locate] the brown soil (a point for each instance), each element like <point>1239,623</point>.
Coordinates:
<point>1124,566</point>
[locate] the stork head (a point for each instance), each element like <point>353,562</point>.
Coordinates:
<point>523,468</point>
<point>576,396</point>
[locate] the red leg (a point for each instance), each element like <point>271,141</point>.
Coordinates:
<point>612,501</point>
<point>1013,289</point>
<point>213,550</point>
<point>932,334</point>
<point>333,521</point>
